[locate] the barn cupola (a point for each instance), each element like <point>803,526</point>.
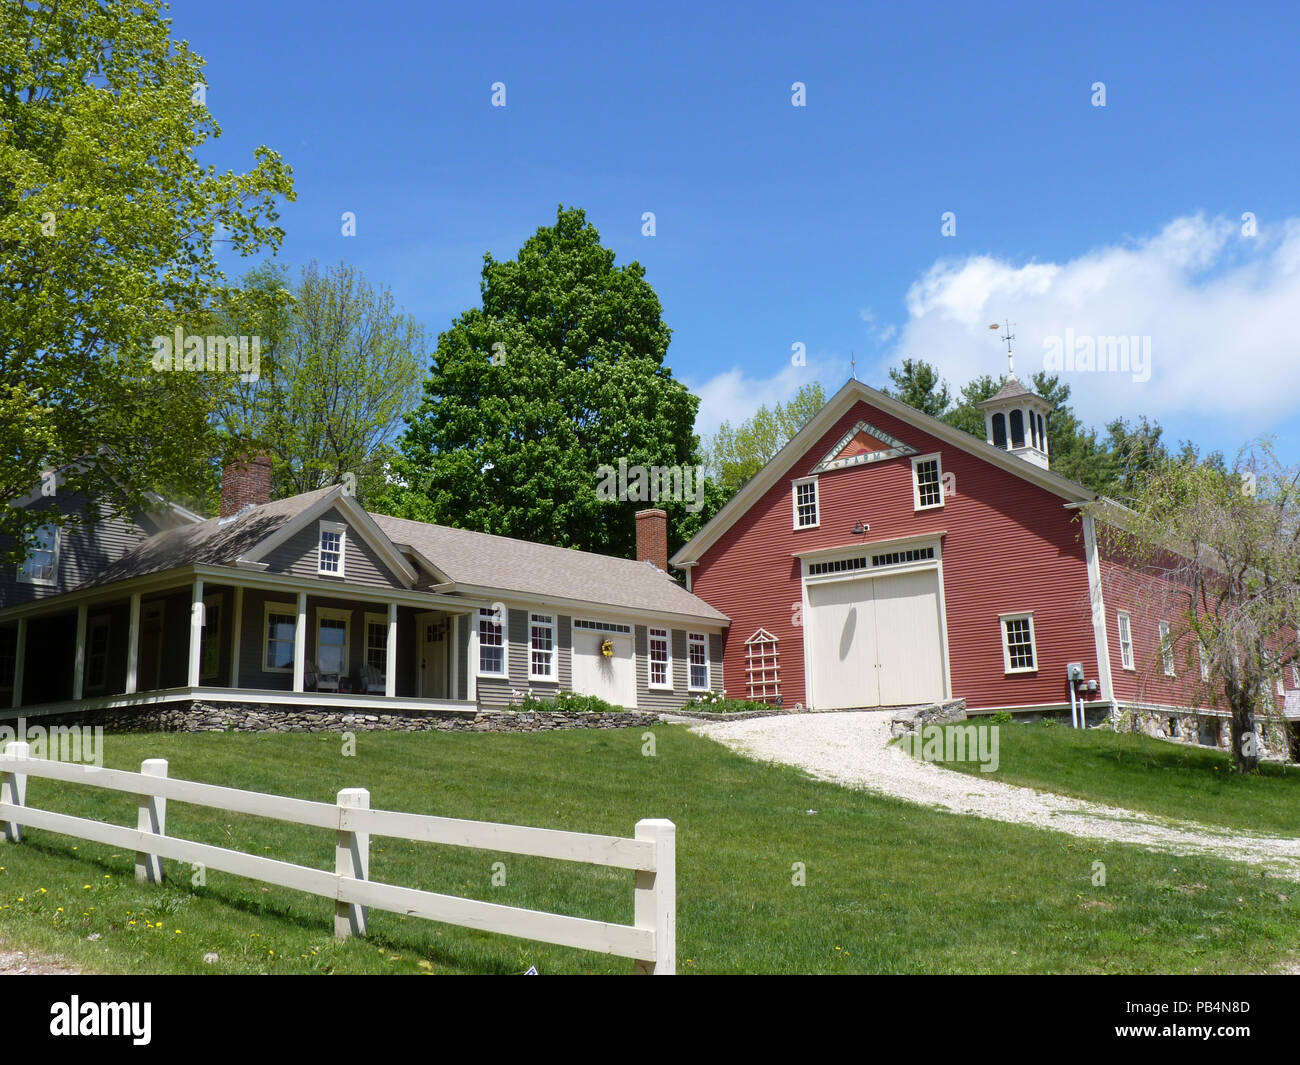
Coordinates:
<point>1015,420</point>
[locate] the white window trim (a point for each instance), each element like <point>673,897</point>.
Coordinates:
<point>649,661</point>
<point>1166,649</point>
<point>1006,645</point>
<point>817,503</point>
<point>216,598</point>
<point>334,527</point>
<point>382,621</point>
<point>504,624</point>
<point>703,639</point>
<point>1123,621</point>
<point>267,610</point>
<point>326,613</point>
<point>937,459</point>
<point>549,623</point>
<point>54,568</point>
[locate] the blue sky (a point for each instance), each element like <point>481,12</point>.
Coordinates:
<point>818,225</point>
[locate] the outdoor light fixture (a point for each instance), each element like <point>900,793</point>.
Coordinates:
<point>861,529</point>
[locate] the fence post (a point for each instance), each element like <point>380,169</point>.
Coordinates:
<point>152,818</point>
<point>13,790</point>
<point>656,896</point>
<point>352,859</point>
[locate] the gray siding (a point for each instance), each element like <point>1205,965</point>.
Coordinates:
<point>83,551</point>
<point>361,565</point>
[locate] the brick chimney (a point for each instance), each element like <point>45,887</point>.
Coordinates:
<point>652,537</point>
<point>245,480</point>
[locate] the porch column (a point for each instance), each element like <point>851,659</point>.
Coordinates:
<point>300,643</point>
<point>235,633</point>
<point>20,652</point>
<point>79,664</point>
<point>196,633</point>
<point>390,664</point>
<point>133,646</point>
<point>453,685</point>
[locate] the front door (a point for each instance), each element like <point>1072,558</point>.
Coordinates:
<point>434,632</point>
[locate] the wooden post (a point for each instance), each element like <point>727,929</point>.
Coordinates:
<point>300,643</point>
<point>133,647</point>
<point>13,790</point>
<point>390,654</point>
<point>79,663</point>
<point>20,653</point>
<point>656,897</point>
<point>152,818</point>
<point>236,633</point>
<point>196,635</point>
<point>351,858</point>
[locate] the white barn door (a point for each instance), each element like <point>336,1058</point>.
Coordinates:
<point>842,628</point>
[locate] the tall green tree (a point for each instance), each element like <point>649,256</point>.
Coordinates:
<point>340,366</point>
<point>737,454</point>
<point>559,373</point>
<point>107,228</point>
<point>919,385</point>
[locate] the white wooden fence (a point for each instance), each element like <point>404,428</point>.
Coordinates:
<point>651,940</point>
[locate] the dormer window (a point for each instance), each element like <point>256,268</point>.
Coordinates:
<point>806,511</point>
<point>41,566</point>
<point>330,555</point>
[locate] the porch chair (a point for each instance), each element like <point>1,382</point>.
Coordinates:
<point>372,680</point>
<point>313,679</point>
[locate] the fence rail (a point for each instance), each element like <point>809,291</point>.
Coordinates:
<point>650,941</point>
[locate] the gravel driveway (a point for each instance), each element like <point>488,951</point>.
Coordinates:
<point>851,749</point>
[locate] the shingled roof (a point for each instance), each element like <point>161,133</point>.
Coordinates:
<point>482,560</point>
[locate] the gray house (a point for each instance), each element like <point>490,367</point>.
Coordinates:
<point>314,601</point>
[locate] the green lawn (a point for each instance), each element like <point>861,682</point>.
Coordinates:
<point>1141,773</point>
<point>891,887</point>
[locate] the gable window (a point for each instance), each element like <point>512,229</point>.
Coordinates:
<point>97,654</point>
<point>491,643</point>
<point>41,566</point>
<point>1018,653</point>
<point>1125,640</point>
<point>697,653</point>
<point>281,627</point>
<point>329,559</point>
<point>660,660</point>
<point>762,668</point>
<point>541,638</point>
<point>806,515</point>
<point>1166,649</point>
<point>210,639</point>
<point>927,482</point>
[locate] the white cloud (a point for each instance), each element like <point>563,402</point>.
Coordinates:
<point>732,397</point>
<point>1220,310</point>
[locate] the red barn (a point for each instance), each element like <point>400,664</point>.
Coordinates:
<point>884,558</point>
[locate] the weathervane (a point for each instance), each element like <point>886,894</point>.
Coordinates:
<point>1009,337</point>
<point>853,362</point>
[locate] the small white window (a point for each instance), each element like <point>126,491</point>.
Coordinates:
<point>806,513</point>
<point>541,638</point>
<point>1018,653</point>
<point>491,643</point>
<point>280,629</point>
<point>697,649</point>
<point>330,557</point>
<point>660,660</point>
<point>1166,648</point>
<point>1125,640</point>
<point>927,482</point>
<point>41,566</point>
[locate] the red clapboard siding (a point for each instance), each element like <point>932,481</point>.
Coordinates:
<point>1010,546</point>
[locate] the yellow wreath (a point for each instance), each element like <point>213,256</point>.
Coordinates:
<point>607,648</point>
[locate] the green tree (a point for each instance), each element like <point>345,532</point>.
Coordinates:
<point>107,228</point>
<point>340,365</point>
<point>736,455</point>
<point>919,385</point>
<point>559,372</point>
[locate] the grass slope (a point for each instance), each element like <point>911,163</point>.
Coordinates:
<point>1140,773</point>
<point>891,887</point>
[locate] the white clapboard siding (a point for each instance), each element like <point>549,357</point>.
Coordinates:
<point>513,839</point>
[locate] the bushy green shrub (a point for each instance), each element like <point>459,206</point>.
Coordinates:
<point>566,702</point>
<point>1002,717</point>
<point>718,703</point>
